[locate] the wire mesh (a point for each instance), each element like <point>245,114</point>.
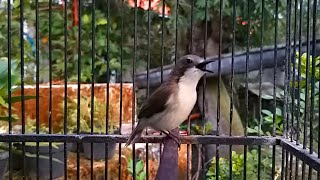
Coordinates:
<point>259,109</point>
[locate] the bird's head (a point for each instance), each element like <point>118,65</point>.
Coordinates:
<point>191,67</point>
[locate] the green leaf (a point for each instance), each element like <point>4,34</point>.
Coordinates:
<point>267,112</point>
<point>16,3</point>
<point>250,130</point>
<point>6,118</point>
<point>85,19</point>
<point>3,102</point>
<point>139,166</point>
<point>18,98</point>
<point>102,21</point>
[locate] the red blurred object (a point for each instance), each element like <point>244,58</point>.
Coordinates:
<point>75,9</point>
<point>156,5</point>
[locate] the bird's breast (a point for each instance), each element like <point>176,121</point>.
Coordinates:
<point>179,106</point>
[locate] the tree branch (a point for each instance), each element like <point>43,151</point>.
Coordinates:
<point>168,168</point>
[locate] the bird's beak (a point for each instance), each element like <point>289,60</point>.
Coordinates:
<point>202,65</point>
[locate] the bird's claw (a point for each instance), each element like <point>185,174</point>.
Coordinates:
<point>173,137</point>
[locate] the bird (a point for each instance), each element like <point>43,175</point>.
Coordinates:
<point>172,102</point>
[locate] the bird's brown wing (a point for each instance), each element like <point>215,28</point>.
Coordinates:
<point>156,102</point>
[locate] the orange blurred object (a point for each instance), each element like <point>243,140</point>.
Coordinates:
<point>156,5</point>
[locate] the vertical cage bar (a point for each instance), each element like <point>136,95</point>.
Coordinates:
<point>121,87</point>
<point>176,33</point>
<point>274,86</point>
<point>162,47</point>
<point>133,87</point>
<point>245,149</point>
<point>306,114</point>
<point>9,86</point>
<point>65,112</point>
<point>203,149</point>
<point>162,56</point>
<point>189,175</point>
<point>260,86</point>
<point>306,107</point>
<point>293,108</point>
<point>50,91</point>
<point>148,85</point>
<point>232,82</point>
<point>299,71</point>
<point>282,163</point>
<point>93,38</point>
<point>314,24</point>
<point>78,90</point>
<point>37,83</point>
<point>312,106</point>
<point>22,83</point>
<point>219,86</point>
<point>287,82</point>
<point>108,90</point>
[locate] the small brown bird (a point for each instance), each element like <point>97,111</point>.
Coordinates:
<point>174,100</point>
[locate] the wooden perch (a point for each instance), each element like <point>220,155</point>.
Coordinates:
<point>168,168</point>
<point>226,63</point>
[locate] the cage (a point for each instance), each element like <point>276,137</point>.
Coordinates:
<point>74,75</point>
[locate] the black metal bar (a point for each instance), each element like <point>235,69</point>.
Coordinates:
<point>121,86</point>
<point>274,86</point>
<point>293,105</point>
<point>92,79</point>
<point>50,92</point>
<point>9,85</point>
<point>219,86</point>
<point>306,114</point>
<point>37,83</point>
<point>296,168</point>
<point>193,139</point>
<point>260,85</point>
<point>162,52</point>
<point>204,82</point>
<point>79,85</point>
<point>162,35</point>
<point>303,154</point>
<point>299,72</point>
<point>282,163</point>
<point>232,82</point>
<point>245,148</point>
<point>106,165</point>
<point>22,83</point>
<point>189,123</point>
<point>65,125</point>
<point>148,88</point>
<point>133,87</point>
<point>176,33</point>
<point>312,106</point>
<point>314,23</point>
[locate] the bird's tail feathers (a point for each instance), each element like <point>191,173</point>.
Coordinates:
<point>135,135</point>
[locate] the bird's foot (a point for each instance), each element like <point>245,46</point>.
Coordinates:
<point>173,137</point>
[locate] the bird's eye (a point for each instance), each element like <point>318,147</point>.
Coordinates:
<point>189,61</point>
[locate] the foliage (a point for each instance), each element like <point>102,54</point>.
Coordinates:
<point>266,127</point>
<point>304,91</point>
<point>238,166</point>
<point>139,169</point>
<point>99,115</point>
<point>59,52</point>
<point>4,88</point>
<point>297,102</point>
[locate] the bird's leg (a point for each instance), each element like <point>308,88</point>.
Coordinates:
<point>173,136</point>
